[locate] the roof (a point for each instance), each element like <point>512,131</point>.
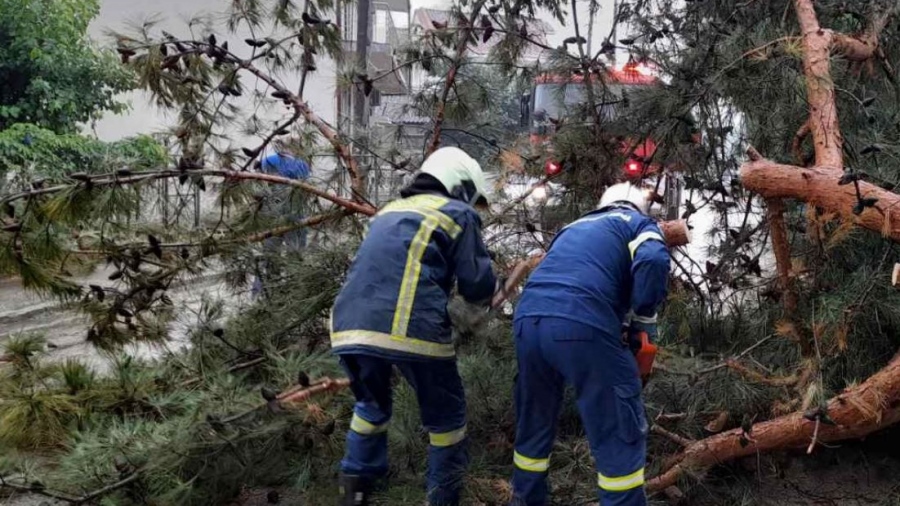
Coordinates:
<point>626,75</point>
<point>392,5</point>
<point>423,19</point>
<point>399,110</point>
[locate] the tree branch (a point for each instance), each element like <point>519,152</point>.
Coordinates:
<point>857,412</point>
<point>818,186</point>
<point>863,47</point>
<point>302,107</point>
<point>461,47</point>
<point>70,498</point>
<point>823,121</point>
<point>681,440</point>
<point>797,143</point>
<point>782,249</point>
<point>115,180</point>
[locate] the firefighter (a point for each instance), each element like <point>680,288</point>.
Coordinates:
<point>606,270</point>
<point>392,311</point>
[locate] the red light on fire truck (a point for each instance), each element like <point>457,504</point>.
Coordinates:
<point>552,168</point>
<point>633,168</point>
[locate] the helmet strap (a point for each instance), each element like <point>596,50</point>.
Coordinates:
<point>465,192</point>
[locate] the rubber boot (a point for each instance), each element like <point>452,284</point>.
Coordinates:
<point>355,490</point>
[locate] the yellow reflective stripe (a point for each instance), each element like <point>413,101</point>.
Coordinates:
<point>365,427</point>
<point>621,483</point>
<point>447,438</point>
<point>641,239</point>
<point>411,274</point>
<point>427,206</point>
<point>392,342</point>
<point>529,464</point>
<point>446,223</point>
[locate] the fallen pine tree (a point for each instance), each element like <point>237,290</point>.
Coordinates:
<point>855,413</point>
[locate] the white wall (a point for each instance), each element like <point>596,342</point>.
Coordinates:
<point>320,89</point>
<point>174,16</point>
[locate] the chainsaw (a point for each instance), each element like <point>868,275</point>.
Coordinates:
<point>644,354</point>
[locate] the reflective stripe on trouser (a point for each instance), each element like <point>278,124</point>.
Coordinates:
<point>442,404</point>
<point>367,438</point>
<point>551,353</point>
<point>621,483</point>
<point>529,464</point>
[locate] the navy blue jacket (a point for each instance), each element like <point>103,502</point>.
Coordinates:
<point>394,301</point>
<point>602,270</point>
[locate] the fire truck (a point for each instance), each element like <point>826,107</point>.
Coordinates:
<point>557,99</point>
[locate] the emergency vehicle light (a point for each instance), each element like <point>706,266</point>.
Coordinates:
<point>633,168</point>
<point>552,168</point>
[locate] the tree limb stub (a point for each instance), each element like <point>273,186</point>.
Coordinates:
<point>864,47</point>
<point>819,187</point>
<point>782,249</point>
<point>858,411</point>
<point>797,143</point>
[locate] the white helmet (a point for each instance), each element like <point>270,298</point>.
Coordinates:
<point>627,193</point>
<point>459,173</point>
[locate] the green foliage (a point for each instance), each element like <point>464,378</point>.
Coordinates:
<point>31,152</point>
<point>52,76</point>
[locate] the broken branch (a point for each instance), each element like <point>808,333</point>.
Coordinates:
<point>819,187</point>
<point>857,412</point>
<point>681,440</point>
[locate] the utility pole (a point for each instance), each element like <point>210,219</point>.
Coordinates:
<point>339,106</point>
<point>362,59</point>
<point>615,30</point>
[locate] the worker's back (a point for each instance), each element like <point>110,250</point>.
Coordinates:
<point>394,301</point>
<point>586,275</point>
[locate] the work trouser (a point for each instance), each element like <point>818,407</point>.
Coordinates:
<point>442,404</point>
<point>552,353</point>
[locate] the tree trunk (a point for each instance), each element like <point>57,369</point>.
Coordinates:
<point>819,187</point>
<point>857,412</point>
<point>823,122</point>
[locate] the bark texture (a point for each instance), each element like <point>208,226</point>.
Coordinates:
<point>857,412</point>
<point>823,122</point>
<point>820,187</point>
<point>875,404</point>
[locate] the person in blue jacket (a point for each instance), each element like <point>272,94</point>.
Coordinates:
<point>606,270</point>
<point>280,201</point>
<point>392,312</point>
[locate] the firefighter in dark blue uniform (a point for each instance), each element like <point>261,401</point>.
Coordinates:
<point>392,311</point>
<point>607,269</point>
